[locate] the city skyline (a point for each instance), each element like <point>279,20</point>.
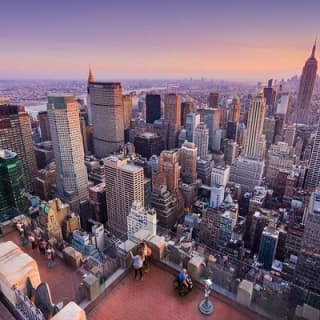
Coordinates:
<point>175,39</point>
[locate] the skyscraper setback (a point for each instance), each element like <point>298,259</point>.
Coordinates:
<point>107,117</point>
<point>306,86</point>
<point>71,173</point>
<point>15,135</point>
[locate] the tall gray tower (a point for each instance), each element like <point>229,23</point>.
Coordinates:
<point>107,114</point>
<point>71,173</point>
<point>306,86</point>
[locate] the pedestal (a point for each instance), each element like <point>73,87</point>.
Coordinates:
<point>206,307</point>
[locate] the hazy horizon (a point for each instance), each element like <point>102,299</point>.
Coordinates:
<point>227,39</point>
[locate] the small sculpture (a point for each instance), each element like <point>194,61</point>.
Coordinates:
<point>206,307</point>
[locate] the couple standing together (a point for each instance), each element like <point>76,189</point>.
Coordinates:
<point>141,260</point>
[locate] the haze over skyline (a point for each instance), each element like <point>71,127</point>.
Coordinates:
<point>156,39</point>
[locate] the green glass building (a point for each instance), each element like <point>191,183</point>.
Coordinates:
<point>11,184</point>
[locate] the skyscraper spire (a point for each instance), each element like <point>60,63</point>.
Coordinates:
<point>91,78</point>
<point>314,48</point>
<point>306,86</point>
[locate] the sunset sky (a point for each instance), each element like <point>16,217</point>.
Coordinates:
<point>238,39</point>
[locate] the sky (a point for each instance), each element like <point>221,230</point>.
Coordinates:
<point>223,39</point>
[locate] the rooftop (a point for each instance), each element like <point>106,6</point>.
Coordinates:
<point>63,280</point>
<point>155,298</point>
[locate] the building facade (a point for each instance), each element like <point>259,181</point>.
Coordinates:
<point>306,86</point>
<point>15,135</point>
<point>153,108</point>
<point>124,184</point>
<point>107,117</point>
<point>268,247</point>
<point>234,113</point>
<point>254,144</point>
<point>247,172</point>
<point>127,108</point>
<point>186,108</point>
<point>71,173</point>
<point>313,175</point>
<point>11,183</point>
<point>188,160</point>
<point>168,171</point>
<point>148,144</point>
<point>192,122</point>
<point>172,114</point>
<point>44,125</point>
<point>213,100</point>
<point>308,266</point>
<point>201,140</point>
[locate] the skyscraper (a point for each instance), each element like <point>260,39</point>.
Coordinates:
<point>124,184</point>
<point>44,126</point>
<point>15,135</point>
<point>192,121</point>
<point>91,79</point>
<point>306,86</point>
<point>220,175</point>
<point>201,139</point>
<point>308,266</point>
<point>213,100</point>
<point>127,107</point>
<point>148,144</point>
<point>269,130</point>
<point>71,173</point>
<point>153,107</point>
<point>168,171</point>
<point>247,172</point>
<point>313,175</point>
<point>290,134</point>
<point>254,145</point>
<point>11,184</point>
<point>268,247</point>
<point>188,160</point>
<point>232,130</point>
<point>211,117</point>
<point>282,103</point>
<point>186,108</point>
<point>107,117</point>
<point>216,196</point>
<point>234,113</point>
<point>172,114</point>
<point>270,95</point>
<point>230,151</point>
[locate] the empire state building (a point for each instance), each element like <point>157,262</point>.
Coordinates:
<point>307,82</point>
